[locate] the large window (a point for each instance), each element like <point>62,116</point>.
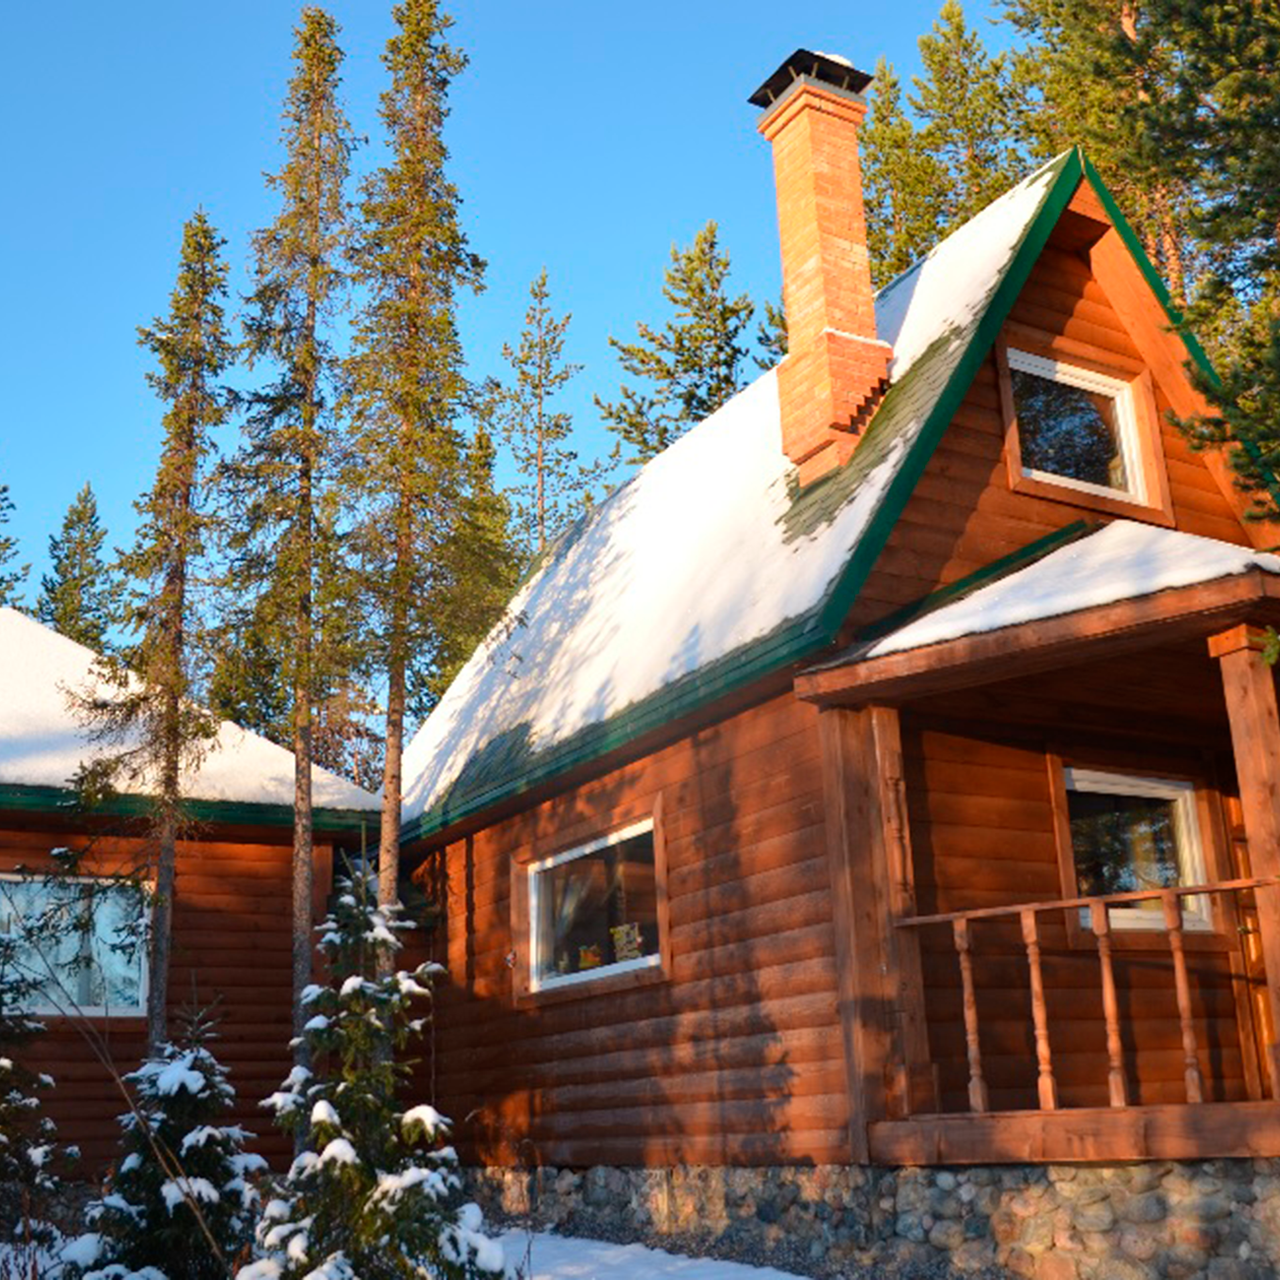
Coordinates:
<point>78,939</point>
<point>593,909</point>
<point>1076,427</point>
<point>1131,833</point>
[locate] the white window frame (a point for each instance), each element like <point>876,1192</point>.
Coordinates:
<point>1197,913</point>
<point>550,982</point>
<point>1121,393</point>
<point>69,1007</point>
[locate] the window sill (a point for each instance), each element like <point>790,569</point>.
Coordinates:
<point>1127,507</point>
<point>605,984</point>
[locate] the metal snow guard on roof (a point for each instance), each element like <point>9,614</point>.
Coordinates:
<point>817,66</point>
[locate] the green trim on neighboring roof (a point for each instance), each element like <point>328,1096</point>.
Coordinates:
<point>64,801</point>
<point>805,636</point>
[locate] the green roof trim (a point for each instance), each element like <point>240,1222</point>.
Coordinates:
<point>65,802</point>
<point>1197,354</point>
<point>504,771</point>
<point>989,573</point>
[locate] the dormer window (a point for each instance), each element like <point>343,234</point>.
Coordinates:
<point>1082,431</point>
<point>1075,427</point>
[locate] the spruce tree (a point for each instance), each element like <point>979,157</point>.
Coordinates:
<point>12,575</point>
<point>771,335</point>
<point>31,1159</point>
<point>81,596</point>
<point>1086,70</point>
<point>179,1205</point>
<point>145,711</point>
<point>479,565</point>
<point>373,1190</point>
<point>284,559</point>
<point>906,189</point>
<point>553,483</point>
<point>970,113</point>
<point>692,365</point>
<point>406,374</point>
<point>1218,126</point>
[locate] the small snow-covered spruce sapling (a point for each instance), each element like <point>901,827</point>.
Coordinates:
<point>373,1194</point>
<point>30,1157</point>
<point>179,1205</point>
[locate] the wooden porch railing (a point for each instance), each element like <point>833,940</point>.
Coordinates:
<point>1028,914</point>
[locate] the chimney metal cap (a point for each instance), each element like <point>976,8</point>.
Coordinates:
<point>827,68</point>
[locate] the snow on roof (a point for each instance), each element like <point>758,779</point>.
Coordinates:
<point>707,556</point>
<point>1122,561</point>
<point>42,744</point>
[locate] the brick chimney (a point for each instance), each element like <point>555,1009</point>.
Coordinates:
<point>836,370</point>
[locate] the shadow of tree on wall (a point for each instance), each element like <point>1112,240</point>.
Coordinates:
<point>726,1060</point>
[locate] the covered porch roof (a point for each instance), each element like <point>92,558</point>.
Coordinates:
<point>1112,589</point>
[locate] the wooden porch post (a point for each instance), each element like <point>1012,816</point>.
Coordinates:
<point>1249,684</point>
<point>869,853</point>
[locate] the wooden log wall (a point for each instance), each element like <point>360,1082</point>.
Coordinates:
<point>231,943</point>
<point>982,826</point>
<point>963,513</point>
<point>734,1058</point>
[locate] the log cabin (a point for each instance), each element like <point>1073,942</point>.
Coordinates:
<point>232,903</point>
<point>887,774</point>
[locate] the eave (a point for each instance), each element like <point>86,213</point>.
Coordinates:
<point>1168,616</point>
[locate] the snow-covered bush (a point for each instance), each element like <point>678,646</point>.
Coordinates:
<point>30,1156</point>
<point>179,1205</point>
<point>372,1194</point>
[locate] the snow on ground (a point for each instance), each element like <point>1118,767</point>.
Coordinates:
<point>573,1258</point>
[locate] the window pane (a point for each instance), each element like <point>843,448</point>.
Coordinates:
<point>75,931</point>
<point>1068,431</point>
<point>598,909</point>
<point>1124,843</point>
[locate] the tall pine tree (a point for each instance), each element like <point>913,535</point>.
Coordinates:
<point>406,374</point>
<point>479,565</point>
<point>284,560</point>
<point>693,364</point>
<point>146,708</point>
<point>905,187</point>
<point>970,115</point>
<point>12,575</point>
<point>80,597</point>
<point>553,484</point>
<point>1086,69</point>
<point>1218,126</point>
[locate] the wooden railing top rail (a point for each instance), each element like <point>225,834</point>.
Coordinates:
<point>1104,899</point>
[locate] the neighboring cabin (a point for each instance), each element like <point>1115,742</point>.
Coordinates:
<point>749,818</point>
<point>231,935</point>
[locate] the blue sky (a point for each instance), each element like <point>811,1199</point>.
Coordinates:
<point>585,137</point>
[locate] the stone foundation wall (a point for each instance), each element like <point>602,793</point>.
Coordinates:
<point>1208,1220</point>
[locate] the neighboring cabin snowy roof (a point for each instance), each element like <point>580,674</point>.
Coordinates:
<point>42,744</point>
<point>710,567</point>
<point>1122,561</point>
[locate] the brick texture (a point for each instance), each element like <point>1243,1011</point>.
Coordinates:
<point>837,370</point>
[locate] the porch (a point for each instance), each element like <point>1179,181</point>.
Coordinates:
<point>1055,846</point>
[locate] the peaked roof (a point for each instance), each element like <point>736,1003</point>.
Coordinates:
<point>711,568</point>
<point>42,744</point>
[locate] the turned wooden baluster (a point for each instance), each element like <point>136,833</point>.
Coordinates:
<point>977,1085</point>
<point>1190,1056</point>
<point>1101,923</point>
<point>1045,1083</point>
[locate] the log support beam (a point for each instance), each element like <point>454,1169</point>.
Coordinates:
<point>1248,680</point>
<point>869,851</point>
